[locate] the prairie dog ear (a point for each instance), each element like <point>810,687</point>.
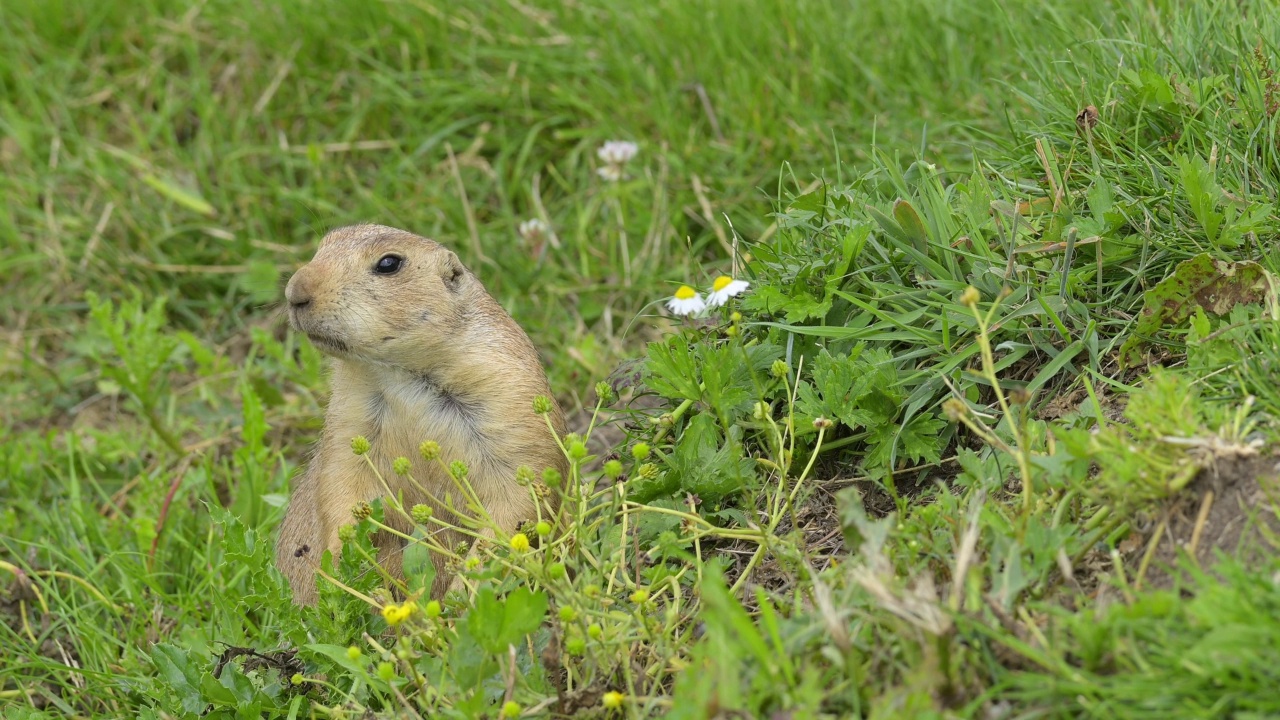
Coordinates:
<point>451,271</point>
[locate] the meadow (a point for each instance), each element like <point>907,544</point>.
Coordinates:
<point>991,434</point>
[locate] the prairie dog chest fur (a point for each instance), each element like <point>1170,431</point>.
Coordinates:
<point>396,411</point>
<point>420,351</point>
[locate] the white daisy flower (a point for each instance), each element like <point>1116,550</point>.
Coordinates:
<point>617,152</point>
<point>724,288</point>
<point>687,301</point>
<point>533,229</point>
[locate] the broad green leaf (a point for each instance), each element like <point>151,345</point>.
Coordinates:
<point>176,671</point>
<point>338,654</point>
<point>524,613</point>
<point>812,202</point>
<point>418,568</point>
<point>673,369</point>
<point>839,386</point>
<point>1216,286</point>
<point>706,464</point>
<point>909,220</point>
<point>918,440</point>
<point>1203,194</point>
<point>497,624</point>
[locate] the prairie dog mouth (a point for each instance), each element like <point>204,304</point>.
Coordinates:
<point>324,342</point>
<point>319,339</point>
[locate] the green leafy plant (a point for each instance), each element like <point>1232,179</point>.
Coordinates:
<point>143,356</point>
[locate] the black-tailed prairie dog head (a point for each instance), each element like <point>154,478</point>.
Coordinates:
<point>382,295</point>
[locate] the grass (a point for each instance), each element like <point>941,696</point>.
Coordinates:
<point>934,464</point>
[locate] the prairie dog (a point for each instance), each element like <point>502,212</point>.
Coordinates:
<point>420,351</point>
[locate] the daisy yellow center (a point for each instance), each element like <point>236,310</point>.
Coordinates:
<point>685,293</point>
<point>721,283</point>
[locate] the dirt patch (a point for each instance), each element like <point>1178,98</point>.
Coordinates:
<point>1231,509</point>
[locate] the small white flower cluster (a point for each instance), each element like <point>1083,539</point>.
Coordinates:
<point>533,229</point>
<point>614,154</point>
<point>688,301</point>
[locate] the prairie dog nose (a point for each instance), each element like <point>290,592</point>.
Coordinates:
<point>298,291</point>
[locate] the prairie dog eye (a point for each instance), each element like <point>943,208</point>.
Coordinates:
<point>388,265</point>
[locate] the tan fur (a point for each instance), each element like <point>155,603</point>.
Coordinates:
<point>422,354</point>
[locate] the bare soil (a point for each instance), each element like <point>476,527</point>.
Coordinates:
<point>1232,509</point>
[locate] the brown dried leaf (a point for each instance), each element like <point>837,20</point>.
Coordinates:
<point>1087,119</point>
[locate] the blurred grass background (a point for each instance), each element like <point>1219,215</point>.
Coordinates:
<point>199,150</point>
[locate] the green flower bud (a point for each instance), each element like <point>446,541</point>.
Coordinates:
<point>511,709</point>
<point>543,528</point>
<point>429,450</point>
<point>556,571</point>
<point>361,510</point>
<point>568,614</point>
<point>359,444</point>
<point>421,513</point>
<point>552,477</point>
<point>353,653</point>
<point>612,469</point>
<point>605,392</point>
<point>347,533</point>
<point>759,411</point>
<point>458,470</point>
<point>386,671</point>
<point>577,450</point>
<point>640,451</point>
<point>524,476</point>
<point>433,609</point>
<point>401,466</point>
<point>594,631</point>
<point>542,405</point>
<point>575,645</point>
<point>779,369</point>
